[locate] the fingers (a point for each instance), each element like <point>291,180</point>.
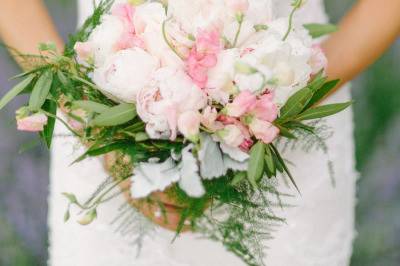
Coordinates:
<point>165,214</point>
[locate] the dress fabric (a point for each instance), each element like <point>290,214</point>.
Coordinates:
<point>319,229</point>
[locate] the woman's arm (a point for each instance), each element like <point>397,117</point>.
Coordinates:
<point>24,24</point>
<point>364,34</point>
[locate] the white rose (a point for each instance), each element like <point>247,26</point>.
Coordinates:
<point>125,73</point>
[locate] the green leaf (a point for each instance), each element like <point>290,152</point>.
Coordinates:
<point>322,92</point>
<point>91,106</point>
<point>256,164</point>
<point>317,30</point>
<point>285,132</point>
<point>269,161</point>
<point>318,81</point>
<point>323,111</point>
<point>17,89</point>
<point>47,133</point>
<point>238,178</point>
<point>296,103</point>
<point>283,165</point>
<point>299,125</point>
<point>41,91</point>
<point>116,115</point>
<point>67,215</point>
<point>97,151</point>
<point>71,198</point>
<point>89,217</point>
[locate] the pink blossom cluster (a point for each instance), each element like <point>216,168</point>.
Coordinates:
<point>216,66</point>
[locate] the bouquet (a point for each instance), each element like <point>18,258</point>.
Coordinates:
<point>191,98</point>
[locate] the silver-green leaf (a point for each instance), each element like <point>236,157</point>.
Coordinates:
<point>115,116</point>
<point>256,163</point>
<point>41,91</point>
<point>17,89</point>
<point>323,111</point>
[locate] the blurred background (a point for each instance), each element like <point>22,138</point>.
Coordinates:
<point>24,162</point>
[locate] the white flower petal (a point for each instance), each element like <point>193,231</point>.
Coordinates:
<point>151,177</point>
<point>231,164</point>
<point>210,157</point>
<point>235,153</point>
<point>190,181</point>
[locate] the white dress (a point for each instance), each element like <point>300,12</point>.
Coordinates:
<point>319,229</point>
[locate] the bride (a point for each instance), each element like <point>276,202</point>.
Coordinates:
<point>320,226</point>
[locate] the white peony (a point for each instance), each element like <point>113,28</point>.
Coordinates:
<point>283,66</point>
<point>222,74</point>
<point>104,38</point>
<point>125,73</point>
<point>148,20</point>
<point>170,94</point>
<point>199,14</point>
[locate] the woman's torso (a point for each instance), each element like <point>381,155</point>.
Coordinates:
<point>319,229</point>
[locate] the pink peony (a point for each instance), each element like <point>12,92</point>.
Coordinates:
<point>125,12</point>
<point>263,130</point>
<point>33,123</point>
<point>243,103</point>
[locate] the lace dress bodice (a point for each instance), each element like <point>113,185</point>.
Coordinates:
<point>319,229</point>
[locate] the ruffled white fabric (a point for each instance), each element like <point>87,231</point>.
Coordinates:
<point>319,230</point>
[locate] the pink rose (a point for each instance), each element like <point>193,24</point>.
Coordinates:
<point>242,104</point>
<point>265,109</point>
<point>318,60</point>
<point>33,123</point>
<point>263,130</point>
<point>238,6</point>
<point>189,125</point>
<point>231,135</point>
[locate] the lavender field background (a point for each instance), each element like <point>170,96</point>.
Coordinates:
<point>24,162</point>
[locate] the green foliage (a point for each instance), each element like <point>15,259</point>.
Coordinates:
<point>41,90</point>
<point>255,168</point>
<point>91,23</point>
<point>296,103</point>
<point>115,116</point>
<point>16,90</point>
<point>47,134</point>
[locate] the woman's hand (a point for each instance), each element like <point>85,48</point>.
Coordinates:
<point>364,35</point>
<point>161,209</point>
